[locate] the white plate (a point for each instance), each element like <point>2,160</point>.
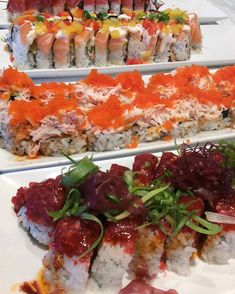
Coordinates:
<point>218,49</point>
<point>20,259</point>
<point>9,162</point>
<point>206,11</point>
<point>4,24</point>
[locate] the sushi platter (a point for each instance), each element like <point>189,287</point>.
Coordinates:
<point>117,147</point>
<point>204,278</point>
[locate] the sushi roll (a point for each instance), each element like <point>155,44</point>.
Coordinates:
<point>115,7</point>
<point>44,56</point>
<point>84,47</point>
<point>163,48</point>
<point>196,34</point>
<point>101,47</point>
<point>134,44</point>
<point>181,49</point>
<point>181,248</point>
<point>220,248</point>
<point>66,268</point>
<point>70,4</point>
<point>149,41</point>
<point>21,43</point>
<point>115,254</point>
<point>61,50</point>
<point>33,203</point>
<point>89,5</point>
<point>147,263</point>
<point>118,45</point>
<point>15,8</point>
<point>101,6</point>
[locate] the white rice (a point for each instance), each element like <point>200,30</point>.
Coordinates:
<point>184,129</point>
<point>110,266</point>
<point>71,277</point>
<point>134,45</point>
<point>220,248</point>
<point>40,232</point>
<point>43,61</point>
<point>179,252</point>
<point>181,49</point>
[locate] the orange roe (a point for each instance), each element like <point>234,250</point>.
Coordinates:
<point>146,99</point>
<point>226,73</point>
<point>134,142</point>
<point>108,114</point>
<point>131,81</point>
<point>99,80</point>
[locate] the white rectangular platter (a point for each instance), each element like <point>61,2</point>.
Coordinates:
<point>20,258</point>
<point>207,12</point>
<point>10,163</point>
<point>218,49</point>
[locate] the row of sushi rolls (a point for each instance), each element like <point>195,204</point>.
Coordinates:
<point>60,34</point>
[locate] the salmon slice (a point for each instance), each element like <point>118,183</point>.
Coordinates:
<point>196,35</point>
<point>25,28</point>
<point>16,6</point>
<point>45,42</point>
<point>61,52</point>
<point>82,38</point>
<point>101,41</point>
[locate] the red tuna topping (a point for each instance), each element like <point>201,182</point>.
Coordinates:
<point>118,170</point>
<point>39,199</point>
<point>73,236</point>
<point>138,286</point>
<point>123,232</point>
<point>144,166</point>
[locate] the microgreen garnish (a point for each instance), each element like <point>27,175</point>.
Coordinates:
<point>162,17</point>
<point>102,15</point>
<point>180,19</point>
<point>40,18</point>
<point>91,217</point>
<point>78,172</point>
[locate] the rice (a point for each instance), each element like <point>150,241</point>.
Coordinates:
<point>70,274</point>
<point>102,141</point>
<point>67,145</point>
<point>40,232</point>
<point>179,252</point>
<point>181,49</point>
<point>110,266</point>
<point>218,249</point>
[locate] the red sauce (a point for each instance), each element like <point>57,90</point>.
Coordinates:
<point>139,286</point>
<point>39,199</point>
<point>123,233</point>
<point>73,236</point>
<point>144,166</point>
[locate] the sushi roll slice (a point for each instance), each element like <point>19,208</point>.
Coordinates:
<point>84,47</point>
<point>181,248</point>
<point>118,45</point>
<point>21,43</point>
<point>115,254</point>
<point>65,267</point>
<point>163,48</point>
<point>115,7</point>
<point>218,249</point>
<point>33,203</point>
<point>89,5</point>
<point>181,49</point>
<point>101,6</point>
<point>149,41</point>
<point>196,34</point>
<point>101,47</point>
<point>147,263</point>
<point>134,44</point>
<point>44,57</point>
<point>61,50</point>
